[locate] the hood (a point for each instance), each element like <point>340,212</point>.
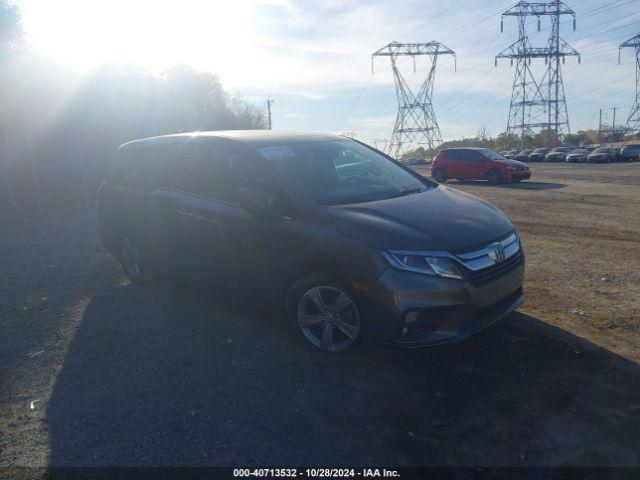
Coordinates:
<point>438,219</point>
<point>515,163</point>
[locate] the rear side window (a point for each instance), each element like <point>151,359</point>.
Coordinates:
<point>146,166</point>
<point>216,171</point>
<point>456,155</point>
<point>191,168</point>
<point>464,155</point>
<point>129,170</point>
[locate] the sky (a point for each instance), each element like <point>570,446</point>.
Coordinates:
<point>313,57</point>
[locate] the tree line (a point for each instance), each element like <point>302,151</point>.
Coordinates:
<point>59,128</point>
<point>543,139</point>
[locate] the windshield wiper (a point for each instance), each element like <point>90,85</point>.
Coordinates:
<point>373,197</point>
<point>404,193</point>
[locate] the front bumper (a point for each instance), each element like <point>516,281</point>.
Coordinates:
<point>415,310</point>
<point>520,175</point>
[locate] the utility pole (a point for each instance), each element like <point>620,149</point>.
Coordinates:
<point>534,107</point>
<point>600,128</point>
<point>416,122</point>
<point>381,144</point>
<point>351,134</point>
<point>613,127</point>
<point>633,122</point>
<point>269,103</point>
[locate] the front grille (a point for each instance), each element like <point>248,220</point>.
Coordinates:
<point>487,275</point>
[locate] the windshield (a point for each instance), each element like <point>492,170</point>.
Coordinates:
<point>579,152</point>
<point>540,150</point>
<point>561,149</point>
<point>601,150</point>
<point>339,172</point>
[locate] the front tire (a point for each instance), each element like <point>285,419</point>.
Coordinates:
<point>494,177</point>
<point>325,314</point>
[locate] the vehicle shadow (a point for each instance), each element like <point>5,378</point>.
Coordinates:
<point>166,377</point>
<point>525,185</point>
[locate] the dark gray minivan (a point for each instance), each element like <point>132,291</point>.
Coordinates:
<point>344,240</point>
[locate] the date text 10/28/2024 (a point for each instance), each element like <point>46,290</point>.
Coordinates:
<point>316,472</point>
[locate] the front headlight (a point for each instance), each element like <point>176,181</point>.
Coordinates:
<point>511,167</point>
<point>423,263</point>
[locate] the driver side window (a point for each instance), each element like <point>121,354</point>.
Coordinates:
<point>244,172</point>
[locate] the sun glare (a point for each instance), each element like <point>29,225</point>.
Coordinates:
<point>154,34</point>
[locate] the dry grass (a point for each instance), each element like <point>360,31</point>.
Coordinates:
<point>580,226</point>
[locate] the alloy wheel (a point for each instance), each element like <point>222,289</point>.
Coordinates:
<point>131,257</point>
<point>440,176</point>
<point>494,177</point>
<point>328,318</point>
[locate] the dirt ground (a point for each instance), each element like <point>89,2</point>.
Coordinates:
<point>98,372</point>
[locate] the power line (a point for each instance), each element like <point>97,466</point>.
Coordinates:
<point>538,104</point>
<point>416,120</point>
<point>633,122</point>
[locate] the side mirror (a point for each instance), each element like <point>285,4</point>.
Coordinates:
<point>253,200</point>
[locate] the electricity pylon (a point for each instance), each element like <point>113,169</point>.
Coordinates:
<point>538,104</point>
<point>416,122</point>
<point>633,122</point>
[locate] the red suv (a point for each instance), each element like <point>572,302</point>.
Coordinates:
<point>477,164</point>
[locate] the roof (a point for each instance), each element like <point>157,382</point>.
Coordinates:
<point>254,138</point>
<point>464,148</point>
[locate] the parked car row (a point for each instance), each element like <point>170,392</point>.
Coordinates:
<point>415,161</point>
<point>590,154</point>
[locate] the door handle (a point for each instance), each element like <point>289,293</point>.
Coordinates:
<point>207,220</point>
<point>185,213</point>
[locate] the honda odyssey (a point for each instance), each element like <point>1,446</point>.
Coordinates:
<point>342,239</point>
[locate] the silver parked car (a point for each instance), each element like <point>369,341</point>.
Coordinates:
<point>578,156</point>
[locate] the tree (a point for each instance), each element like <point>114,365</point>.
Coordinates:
<point>11,32</point>
<point>58,129</point>
<point>484,133</point>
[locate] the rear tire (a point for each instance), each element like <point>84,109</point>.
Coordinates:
<point>440,175</point>
<point>494,176</point>
<point>134,260</point>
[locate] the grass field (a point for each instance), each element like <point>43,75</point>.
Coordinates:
<point>580,226</point>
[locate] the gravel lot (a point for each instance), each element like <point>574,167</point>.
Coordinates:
<point>95,371</point>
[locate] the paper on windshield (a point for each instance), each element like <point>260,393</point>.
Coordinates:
<point>276,152</point>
